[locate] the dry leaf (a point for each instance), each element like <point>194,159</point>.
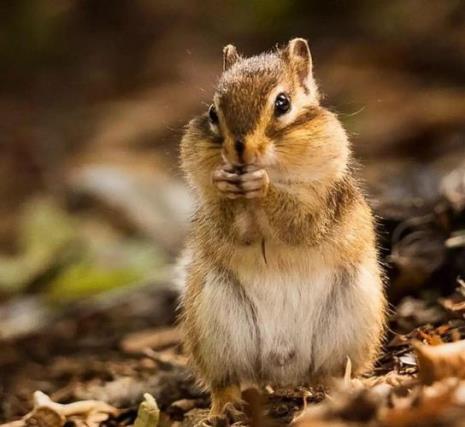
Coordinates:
<point>47,413</point>
<point>148,414</point>
<point>440,361</point>
<point>44,416</point>
<point>155,339</point>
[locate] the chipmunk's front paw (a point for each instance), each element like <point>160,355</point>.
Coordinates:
<point>249,182</point>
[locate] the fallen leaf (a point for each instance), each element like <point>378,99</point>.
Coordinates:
<point>440,361</point>
<point>148,414</point>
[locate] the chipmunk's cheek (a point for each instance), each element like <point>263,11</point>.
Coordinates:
<point>267,155</point>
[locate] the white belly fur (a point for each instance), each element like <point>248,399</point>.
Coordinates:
<point>293,318</point>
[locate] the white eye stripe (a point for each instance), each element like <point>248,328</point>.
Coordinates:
<point>214,128</point>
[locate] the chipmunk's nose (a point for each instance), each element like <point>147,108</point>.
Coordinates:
<point>239,148</point>
<point>238,152</point>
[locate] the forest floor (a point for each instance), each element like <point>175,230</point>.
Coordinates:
<point>115,347</point>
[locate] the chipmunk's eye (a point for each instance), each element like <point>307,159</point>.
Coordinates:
<point>212,115</point>
<point>282,104</point>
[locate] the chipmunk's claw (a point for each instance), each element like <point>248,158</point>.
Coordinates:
<point>233,414</point>
<point>249,183</point>
<point>213,421</point>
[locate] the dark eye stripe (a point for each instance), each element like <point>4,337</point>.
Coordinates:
<point>274,131</point>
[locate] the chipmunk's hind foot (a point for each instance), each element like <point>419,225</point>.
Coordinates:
<point>228,409</point>
<point>232,414</point>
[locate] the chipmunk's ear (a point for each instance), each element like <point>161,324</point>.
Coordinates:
<point>230,56</point>
<point>298,54</point>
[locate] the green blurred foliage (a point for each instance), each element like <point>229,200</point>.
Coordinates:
<point>46,238</point>
<point>69,257</point>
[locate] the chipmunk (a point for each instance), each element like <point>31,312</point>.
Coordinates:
<point>282,283</point>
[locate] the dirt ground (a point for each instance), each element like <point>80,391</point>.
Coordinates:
<point>115,347</point>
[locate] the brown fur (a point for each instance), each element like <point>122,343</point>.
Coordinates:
<point>309,205</point>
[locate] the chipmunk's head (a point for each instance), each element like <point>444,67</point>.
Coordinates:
<point>260,102</point>
<point>266,112</point>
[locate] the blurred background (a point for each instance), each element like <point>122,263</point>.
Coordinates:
<point>93,99</point>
